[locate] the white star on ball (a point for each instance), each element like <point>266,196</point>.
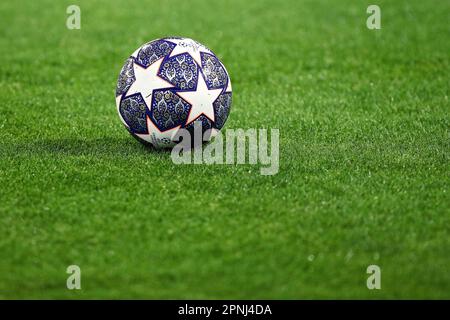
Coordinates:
<point>147,80</point>
<point>201,100</point>
<point>157,137</point>
<point>193,48</point>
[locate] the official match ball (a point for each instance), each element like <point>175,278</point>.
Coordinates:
<point>172,83</point>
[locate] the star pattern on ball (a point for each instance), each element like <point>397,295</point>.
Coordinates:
<point>147,80</point>
<point>189,46</point>
<point>154,135</point>
<point>201,100</point>
<point>168,84</point>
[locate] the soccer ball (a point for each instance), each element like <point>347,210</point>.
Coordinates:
<point>172,83</point>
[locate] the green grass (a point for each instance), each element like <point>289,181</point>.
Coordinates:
<point>364,154</point>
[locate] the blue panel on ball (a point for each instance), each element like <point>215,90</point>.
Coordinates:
<point>133,111</point>
<point>126,77</point>
<point>168,110</point>
<point>153,51</point>
<point>181,71</point>
<point>222,109</point>
<point>215,74</point>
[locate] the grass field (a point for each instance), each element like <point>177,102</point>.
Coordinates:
<point>364,122</point>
